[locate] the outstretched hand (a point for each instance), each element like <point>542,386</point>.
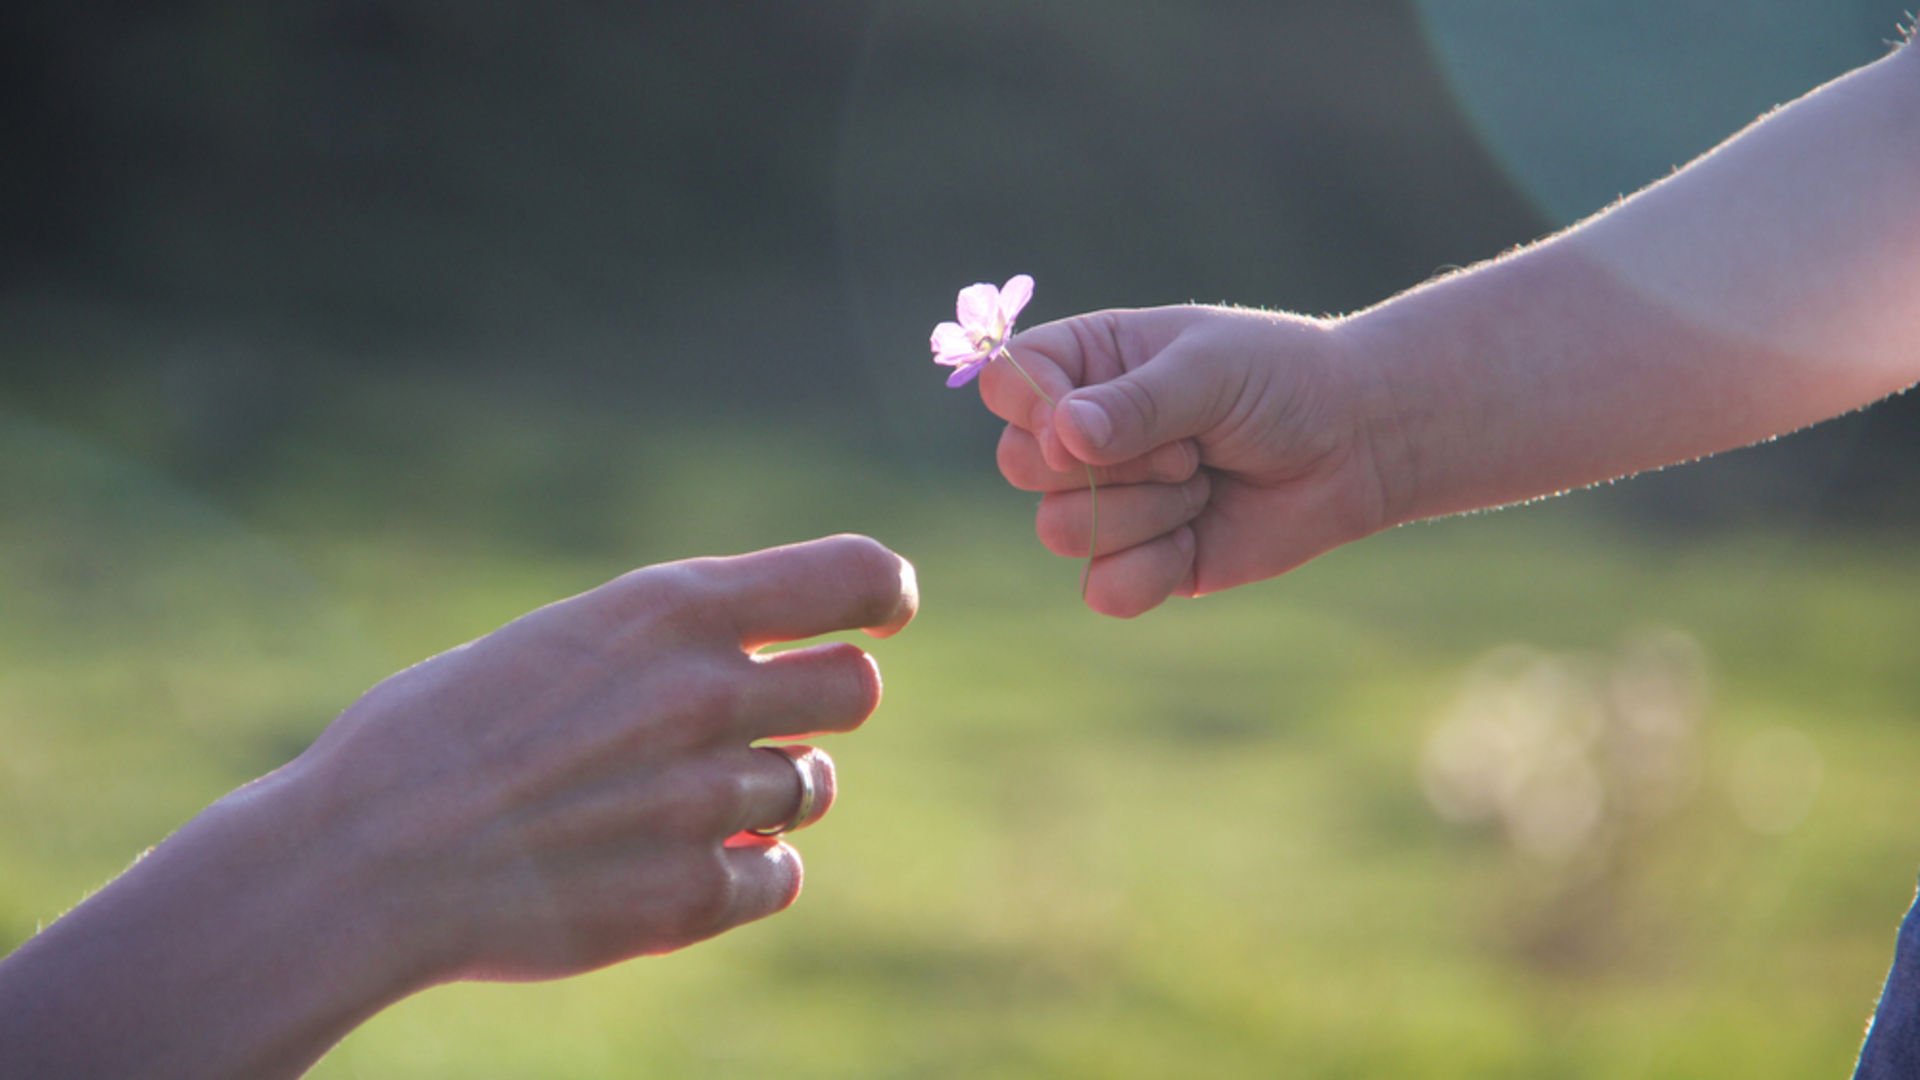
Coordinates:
<point>578,787</point>
<point>1230,446</point>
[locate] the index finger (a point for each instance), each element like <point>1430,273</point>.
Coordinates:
<point>1011,397</point>
<point>798,591</point>
<point>1074,352</point>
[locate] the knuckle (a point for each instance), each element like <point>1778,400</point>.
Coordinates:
<point>1174,463</point>
<point>1197,491</point>
<point>728,795</point>
<point>672,806</point>
<point>1097,339</point>
<point>1014,456</point>
<point>681,594</point>
<point>1135,401</point>
<point>1057,529</point>
<point>709,803</point>
<point>995,390</point>
<point>719,698</point>
<point>704,903</point>
<point>701,698</point>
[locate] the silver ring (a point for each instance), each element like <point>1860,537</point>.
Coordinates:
<point>809,795</point>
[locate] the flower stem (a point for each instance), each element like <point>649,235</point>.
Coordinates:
<point>1093,489</point>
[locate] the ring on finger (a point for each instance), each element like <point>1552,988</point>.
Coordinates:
<point>809,791</point>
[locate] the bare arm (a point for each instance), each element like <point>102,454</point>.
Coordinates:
<point>1773,283</point>
<point>567,792</point>
<point>245,945</point>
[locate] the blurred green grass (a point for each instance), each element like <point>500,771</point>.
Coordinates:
<point>1195,843</point>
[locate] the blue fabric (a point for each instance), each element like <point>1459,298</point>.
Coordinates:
<point>1893,1042</point>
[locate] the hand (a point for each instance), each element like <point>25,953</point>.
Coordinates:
<point>1229,445</point>
<point>574,788</point>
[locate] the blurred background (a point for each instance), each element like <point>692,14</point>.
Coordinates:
<point>332,335</point>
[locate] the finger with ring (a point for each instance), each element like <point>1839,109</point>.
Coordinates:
<point>809,804</point>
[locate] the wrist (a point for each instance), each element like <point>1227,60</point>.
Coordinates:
<point>319,927</point>
<point>309,840</point>
<point>1384,423</point>
<point>246,944</point>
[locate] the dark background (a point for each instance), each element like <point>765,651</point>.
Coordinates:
<point>219,222</point>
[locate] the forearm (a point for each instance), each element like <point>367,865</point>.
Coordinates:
<point>580,787</point>
<point>243,946</point>
<point>1765,287</point>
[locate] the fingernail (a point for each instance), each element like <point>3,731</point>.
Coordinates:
<point>1183,541</point>
<point>905,607</point>
<point>909,603</point>
<point>1197,490</point>
<point>1092,421</point>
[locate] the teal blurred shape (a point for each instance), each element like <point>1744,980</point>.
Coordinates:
<point>1582,101</point>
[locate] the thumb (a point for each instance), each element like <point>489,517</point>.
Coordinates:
<point>1162,401</point>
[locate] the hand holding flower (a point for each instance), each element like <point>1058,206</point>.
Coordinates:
<point>1233,445</point>
<point>986,316</point>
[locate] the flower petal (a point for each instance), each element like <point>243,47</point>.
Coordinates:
<point>951,339</point>
<point>967,372</point>
<point>972,356</point>
<point>979,308</point>
<point>1014,296</point>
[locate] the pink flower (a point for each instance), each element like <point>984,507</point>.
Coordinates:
<point>986,317</point>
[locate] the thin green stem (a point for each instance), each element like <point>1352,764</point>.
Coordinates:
<point>1093,489</point>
